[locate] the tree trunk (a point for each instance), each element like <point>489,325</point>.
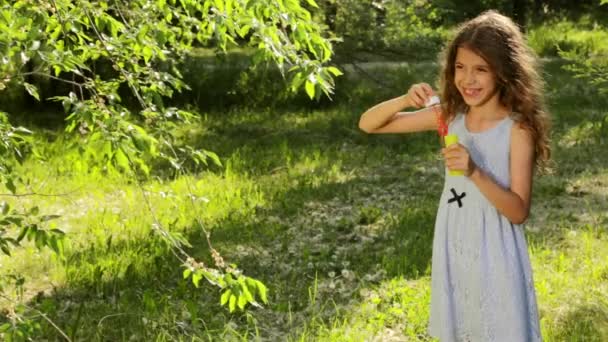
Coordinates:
<point>331,10</point>
<point>538,10</point>
<point>519,13</point>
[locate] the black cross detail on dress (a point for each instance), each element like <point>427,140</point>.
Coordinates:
<point>456,197</point>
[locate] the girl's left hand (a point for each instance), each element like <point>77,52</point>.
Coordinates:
<point>457,158</point>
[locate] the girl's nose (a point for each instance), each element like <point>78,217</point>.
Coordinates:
<point>470,79</point>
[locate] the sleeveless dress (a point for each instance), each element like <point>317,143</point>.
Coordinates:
<point>481,287</point>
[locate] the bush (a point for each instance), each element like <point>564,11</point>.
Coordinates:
<point>234,79</point>
<point>560,34</point>
<point>401,29</point>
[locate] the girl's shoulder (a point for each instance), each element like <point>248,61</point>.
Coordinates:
<point>518,121</point>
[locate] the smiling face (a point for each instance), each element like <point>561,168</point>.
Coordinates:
<point>474,78</point>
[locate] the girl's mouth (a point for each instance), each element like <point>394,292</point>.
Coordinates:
<point>471,92</point>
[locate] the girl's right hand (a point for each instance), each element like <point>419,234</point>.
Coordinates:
<point>419,94</point>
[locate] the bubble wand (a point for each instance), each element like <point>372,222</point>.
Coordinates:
<point>442,129</point>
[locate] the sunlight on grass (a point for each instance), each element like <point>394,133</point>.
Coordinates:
<point>394,310</point>
<point>579,262</point>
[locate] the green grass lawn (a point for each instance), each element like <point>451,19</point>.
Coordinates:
<point>337,224</point>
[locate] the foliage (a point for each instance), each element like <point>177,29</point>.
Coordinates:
<point>116,63</point>
<point>14,224</point>
<point>414,27</point>
<point>418,28</point>
<point>30,225</point>
<point>590,62</point>
<point>584,34</point>
<point>66,38</point>
<point>405,28</point>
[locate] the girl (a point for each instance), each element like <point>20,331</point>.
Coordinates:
<point>482,288</point>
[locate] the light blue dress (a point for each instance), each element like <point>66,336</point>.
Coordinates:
<point>482,288</point>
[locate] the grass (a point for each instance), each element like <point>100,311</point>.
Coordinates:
<point>337,224</point>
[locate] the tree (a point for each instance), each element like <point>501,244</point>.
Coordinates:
<point>519,12</point>
<point>142,41</point>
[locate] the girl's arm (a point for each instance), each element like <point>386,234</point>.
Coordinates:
<point>513,203</point>
<point>387,118</point>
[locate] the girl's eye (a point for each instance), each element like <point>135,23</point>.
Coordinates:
<point>482,70</point>
<point>458,66</point>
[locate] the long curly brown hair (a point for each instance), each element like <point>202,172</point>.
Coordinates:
<point>498,40</point>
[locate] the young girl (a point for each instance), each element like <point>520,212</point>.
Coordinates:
<point>482,288</point>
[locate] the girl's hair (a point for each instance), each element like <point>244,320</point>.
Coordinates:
<point>498,40</point>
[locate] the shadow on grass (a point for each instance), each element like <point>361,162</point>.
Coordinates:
<point>133,289</point>
<point>575,196</point>
<point>320,229</point>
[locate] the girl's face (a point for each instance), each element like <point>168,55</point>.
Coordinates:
<point>474,78</point>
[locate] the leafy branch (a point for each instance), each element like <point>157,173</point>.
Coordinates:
<point>97,47</point>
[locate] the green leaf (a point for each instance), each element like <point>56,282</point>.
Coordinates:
<point>57,232</point>
<point>229,7</point>
<point>244,30</point>
<point>247,293</point>
<point>297,81</point>
<point>121,159</point>
<point>7,251</point>
<point>147,53</point>
<point>22,233</point>
<point>31,232</point>
<point>107,150</point>
<point>336,72</point>
<point>242,301</point>
<point>263,290</point>
<point>214,157</point>
<point>32,90</point>
<point>310,89</point>
<point>187,272</point>
<point>196,278</point>
<point>232,303</point>
<point>41,239</point>
<point>53,244</point>
<point>16,220</point>
<point>312,3</point>
<point>60,247</point>
<point>23,130</point>
<point>225,296</point>
<point>10,185</point>
<point>46,218</point>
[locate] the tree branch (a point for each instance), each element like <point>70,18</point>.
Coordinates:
<point>61,332</point>
<point>369,75</point>
<point>27,194</point>
<point>142,103</point>
<point>37,73</point>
